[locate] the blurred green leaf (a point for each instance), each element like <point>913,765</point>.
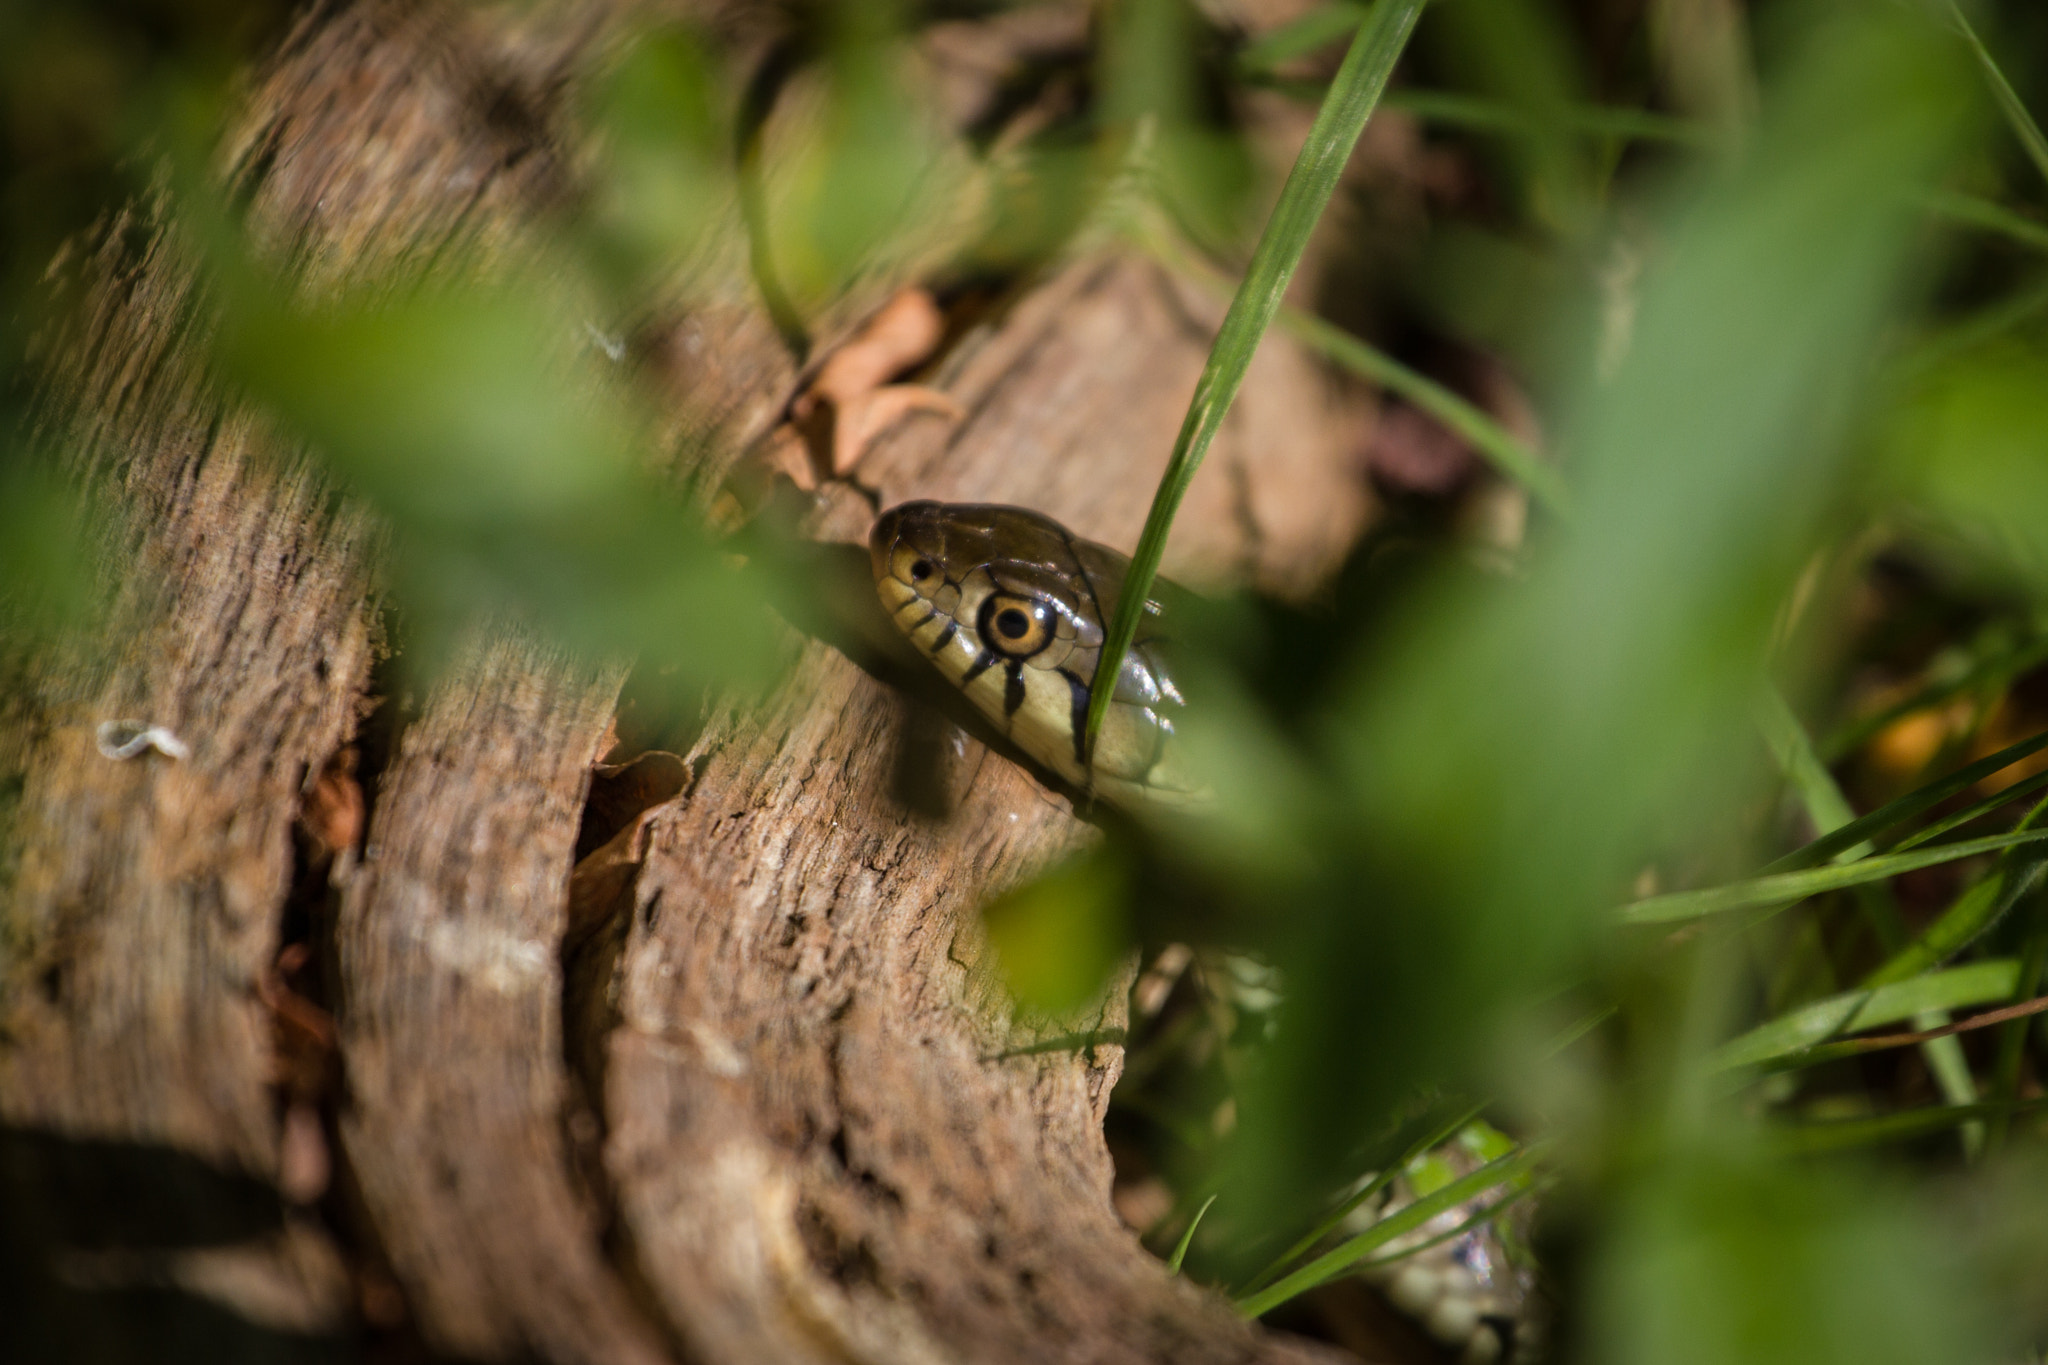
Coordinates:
<point>1518,52</point>
<point>1504,451</point>
<point>1455,110</point>
<point>841,161</point>
<point>1972,211</point>
<point>1514,752</point>
<point>474,419</point>
<point>1059,936</point>
<point>1969,446</point>
<point>1147,66</point>
<point>48,537</point>
<point>665,177</point>
<point>1718,1263</point>
<point>1986,902</point>
<point>1300,37</point>
<point>1501,448</point>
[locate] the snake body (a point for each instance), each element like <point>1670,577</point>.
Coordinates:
<point>1010,605</point>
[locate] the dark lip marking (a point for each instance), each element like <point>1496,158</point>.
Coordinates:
<point>945,637</point>
<point>1013,689</point>
<point>921,621</point>
<point>1078,692</point>
<point>983,663</point>
<point>914,602</point>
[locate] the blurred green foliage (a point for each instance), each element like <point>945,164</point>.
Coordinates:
<point>1777,291</point>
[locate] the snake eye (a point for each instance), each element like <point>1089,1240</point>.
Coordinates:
<point>919,571</point>
<point>1016,626</point>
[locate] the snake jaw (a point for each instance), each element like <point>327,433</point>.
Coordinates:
<point>1008,604</point>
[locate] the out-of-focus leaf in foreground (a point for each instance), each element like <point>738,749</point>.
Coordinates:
<point>1968,446</point>
<point>1511,757</point>
<point>1058,938</point>
<point>46,562</point>
<point>666,173</point>
<point>852,163</point>
<point>469,418</point>
<point>1727,1262</point>
<point>1519,50</point>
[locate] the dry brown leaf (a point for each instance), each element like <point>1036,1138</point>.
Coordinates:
<point>332,814</point>
<point>860,419</point>
<point>906,330</point>
<point>601,882</point>
<point>620,791</point>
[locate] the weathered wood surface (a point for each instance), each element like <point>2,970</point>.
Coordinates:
<point>801,1128</point>
<point>448,940</point>
<point>827,1140</point>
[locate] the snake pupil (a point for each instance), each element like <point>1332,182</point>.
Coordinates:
<point>1013,623</point>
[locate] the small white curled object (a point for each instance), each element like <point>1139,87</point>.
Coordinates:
<point>120,739</point>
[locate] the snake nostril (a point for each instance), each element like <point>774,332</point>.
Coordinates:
<point>921,570</point>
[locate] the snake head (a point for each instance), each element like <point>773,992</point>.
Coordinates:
<point>1010,606</point>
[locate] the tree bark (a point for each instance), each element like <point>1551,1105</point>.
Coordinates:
<point>763,1099</point>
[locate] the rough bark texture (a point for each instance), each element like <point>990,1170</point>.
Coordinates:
<point>786,1116</point>
<point>449,943</point>
<point>830,1138</point>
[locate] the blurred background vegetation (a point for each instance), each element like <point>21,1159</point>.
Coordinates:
<point>1670,735</point>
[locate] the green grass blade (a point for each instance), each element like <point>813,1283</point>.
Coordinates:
<point>1969,813</point>
<point>1784,888</point>
<point>1431,1138</point>
<point>1970,210</point>
<point>1507,454</point>
<point>1793,748</point>
<point>1814,1139</point>
<point>1343,1257</point>
<point>1937,348</point>
<point>1983,672</point>
<point>1180,1248</point>
<point>1490,115</point>
<point>1351,99</point>
<point>1976,910</point>
<point>1906,807</point>
<point>2012,1040</point>
<point>2016,115</point>
<point>1479,1219</point>
<point>1798,1030</point>
<point>1312,31</point>
<point>1829,809</point>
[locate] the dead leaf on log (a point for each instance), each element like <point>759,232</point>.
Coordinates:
<point>332,815</point>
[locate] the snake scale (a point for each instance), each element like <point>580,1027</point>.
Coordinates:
<point>1011,607</point>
